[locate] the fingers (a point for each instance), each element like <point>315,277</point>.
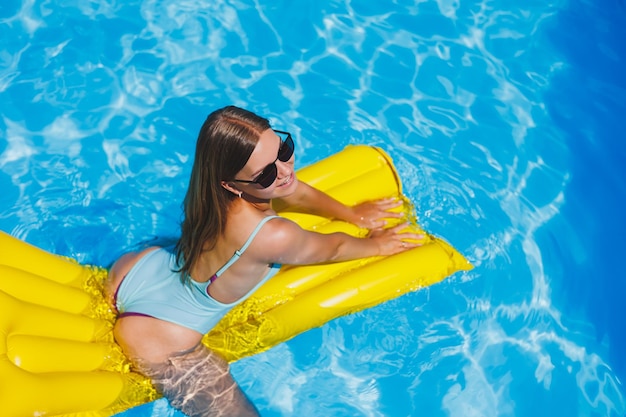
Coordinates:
<point>412,241</point>
<point>377,224</point>
<point>401,232</point>
<point>398,238</point>
<point>404,245</point>
<point>375,214</point>
<point>388,203</point>
<point>391,214</point>
<point>372,214</point>
<point>403,242</point>
<point>411,236</point>
<point>409,239</point>
<point>400,226</point>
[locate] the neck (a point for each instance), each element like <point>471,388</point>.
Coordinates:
<point>255,200</point>
<point>261,204</point>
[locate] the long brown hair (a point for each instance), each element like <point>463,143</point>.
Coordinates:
<point>225,143</point>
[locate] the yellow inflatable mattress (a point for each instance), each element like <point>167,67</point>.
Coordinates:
<point>57,353</point>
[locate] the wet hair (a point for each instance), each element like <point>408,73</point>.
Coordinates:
<point>225,143</point>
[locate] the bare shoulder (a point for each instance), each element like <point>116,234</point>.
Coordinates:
<point>278,227</point>
<point>278,237</point>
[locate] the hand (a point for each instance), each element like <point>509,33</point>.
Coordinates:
<point>371,214</point>
<point>395,240</point>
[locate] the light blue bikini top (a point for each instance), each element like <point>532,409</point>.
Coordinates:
<point>153,288</point>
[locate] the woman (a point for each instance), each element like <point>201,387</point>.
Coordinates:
<point>167,299</point>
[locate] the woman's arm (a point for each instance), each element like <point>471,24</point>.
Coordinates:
<point>283,241</point>
<point>370,215</point>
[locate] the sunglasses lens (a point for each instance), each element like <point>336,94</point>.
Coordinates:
<point>286,149</point>
<point>268,176</point>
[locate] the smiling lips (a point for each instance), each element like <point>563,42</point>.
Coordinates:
<point>288,181</point>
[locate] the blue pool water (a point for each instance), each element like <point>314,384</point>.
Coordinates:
<point>505,123</point>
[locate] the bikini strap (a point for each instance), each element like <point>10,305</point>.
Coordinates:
<point>240,251</point>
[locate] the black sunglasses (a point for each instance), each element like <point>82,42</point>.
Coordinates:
<point>270,172</point>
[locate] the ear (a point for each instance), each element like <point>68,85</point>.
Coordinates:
<point>231,187</point>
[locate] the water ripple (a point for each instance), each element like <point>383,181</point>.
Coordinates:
<point>101,102</point>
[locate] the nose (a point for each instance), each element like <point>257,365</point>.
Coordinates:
<point>284,169</point>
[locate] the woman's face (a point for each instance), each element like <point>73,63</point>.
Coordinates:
<point>260,164</point>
